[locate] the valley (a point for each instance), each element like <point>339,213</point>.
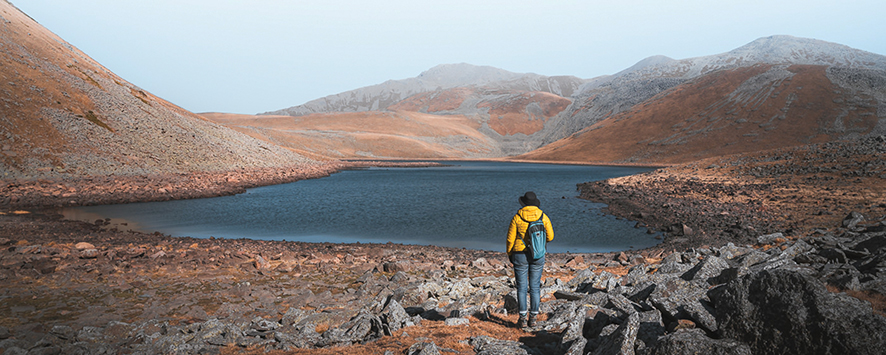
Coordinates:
<point>773,174</point>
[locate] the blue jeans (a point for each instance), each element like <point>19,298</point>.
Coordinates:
<point>527,274</point>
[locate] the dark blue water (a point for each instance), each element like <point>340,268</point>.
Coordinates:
<point>469,204</point>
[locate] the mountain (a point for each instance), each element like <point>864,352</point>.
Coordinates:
<point>607,96</point>
<point>506,109</point>
<point>62,114</point>
<point>730,111</point>
<point>524,112</point>
<point>442,77</point>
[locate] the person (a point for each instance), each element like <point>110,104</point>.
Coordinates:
<point>527,271</point>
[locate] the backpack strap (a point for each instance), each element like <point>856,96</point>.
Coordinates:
<point>539,218</point>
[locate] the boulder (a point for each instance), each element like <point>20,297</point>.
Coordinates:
<point>852,220</point>
<point>363,327</point>
<point>622,340</point>
<point>394,317</point>
<point>788,312</point>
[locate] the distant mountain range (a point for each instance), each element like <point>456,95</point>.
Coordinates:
<point>64,115</point>
<point>524,112</point>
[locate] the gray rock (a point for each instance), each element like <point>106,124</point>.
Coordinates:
<point>577,347</point>
<point>702,314</point>
<point>694,341</point>
<point>293,316</point>
<point>651,328</point>
<point>581,278</point>
<point>574,329</point>
<point>63,332</point>
<point>452,322</point>
<point>708,270</point>
<point>622,340</point>
<point>730,251</point>
<point>363,327</point>
<point>770,238</point>
<point>423,348</point>
<point>89,253</point>
<point>787,312</point>
<point>874,245</point>
<point>485,345</point>
<point>394,317</point>
<point>264,325</point>
<point>400,277</point>
<point>673,267</point>
<point>798,248</point>
<point>604,281</point>
<point>672,297</point>
<point>561,316</point>
<point>620,304</point>
<point>852,220</point>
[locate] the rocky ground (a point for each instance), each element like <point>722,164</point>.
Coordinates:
<point>794,191</point>
<point>777,253</point>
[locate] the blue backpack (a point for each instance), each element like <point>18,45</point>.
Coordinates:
<point>536,238</point>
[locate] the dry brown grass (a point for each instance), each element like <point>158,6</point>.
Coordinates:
<point>398,134</point>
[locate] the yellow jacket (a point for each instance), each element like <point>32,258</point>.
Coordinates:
<point>520,223</point>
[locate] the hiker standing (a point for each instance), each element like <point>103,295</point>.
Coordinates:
<point>527,270</point>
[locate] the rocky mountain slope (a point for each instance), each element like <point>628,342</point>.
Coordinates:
<point>442,77</point>
<point>605,97</point>
<point>64,115</point>
<point>732,111</point>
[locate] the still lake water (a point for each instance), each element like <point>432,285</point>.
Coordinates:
<point>466,205</point>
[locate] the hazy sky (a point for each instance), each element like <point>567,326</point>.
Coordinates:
<point>253,56</point>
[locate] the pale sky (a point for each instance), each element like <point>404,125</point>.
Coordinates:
<point>251,56</point>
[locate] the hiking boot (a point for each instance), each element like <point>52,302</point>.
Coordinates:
<point>521,322</point>
<point>531,321</point>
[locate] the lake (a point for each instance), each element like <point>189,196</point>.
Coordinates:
<point>465,204</point>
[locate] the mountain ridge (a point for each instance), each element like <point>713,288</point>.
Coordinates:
<point>477,88</point>
<point>441,77</point>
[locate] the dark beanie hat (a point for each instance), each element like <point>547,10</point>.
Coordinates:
<point>529,199</point>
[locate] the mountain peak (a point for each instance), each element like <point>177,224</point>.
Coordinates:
<point>448,75</point>
<point>647,62</point>
<point>784,49</point>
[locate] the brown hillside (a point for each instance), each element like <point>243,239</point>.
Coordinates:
<point>62,114</point>
<point>366,134</point>
<point>733,111</point>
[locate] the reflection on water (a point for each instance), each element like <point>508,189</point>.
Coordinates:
<point>468,205</point>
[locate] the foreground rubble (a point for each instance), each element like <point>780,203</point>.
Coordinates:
<point>90,291</point>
